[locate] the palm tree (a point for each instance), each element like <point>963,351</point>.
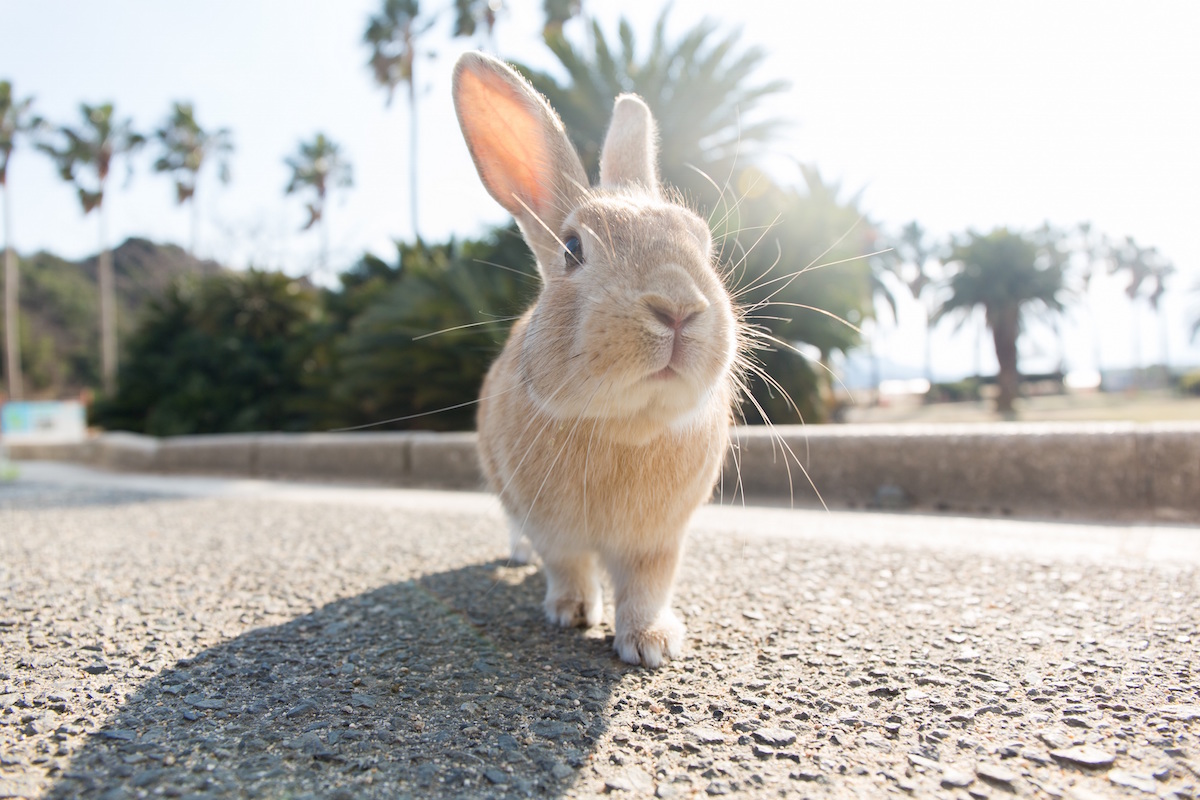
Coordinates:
<point>16,120</point>
<point>319,166</point>
<point>185,149</point>
<point>475,16</point>
<point>1160,269</point>
<point>1005,273</point>
<point>559,11</point>
<point>1093,249</point>
<point>697,88</point>
<point>92,149</point>
<point>914,255</point>
<point>393,36</point>
<point>1196,322</point>
<point>1145,267</point>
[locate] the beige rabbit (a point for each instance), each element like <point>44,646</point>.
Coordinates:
<point>604,422</point>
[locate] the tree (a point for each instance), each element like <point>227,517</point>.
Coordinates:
<point>393,36</point>
<point>1146,267</point>
<point>558,12</point>
<point>91,150</point>
<point>319,166</point>
<point>1196,322</point>
<point>427,332</point>
<point>1092,249</point>
<point>473,16</point>
<point>16,120</point>
<point>697,87</point>
<point>1006,273</point>
<point>216,354</point>
<point>913,256</point>
<point>186,147</point>
<point>799,269</point>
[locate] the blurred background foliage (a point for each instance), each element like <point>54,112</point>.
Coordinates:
<point>216,353</point>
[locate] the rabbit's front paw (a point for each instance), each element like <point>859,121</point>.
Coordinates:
<point>574,608</point>
<point>652,645</point>
<point>573,594</point>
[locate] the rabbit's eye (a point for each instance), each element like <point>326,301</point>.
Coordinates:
<point>573,255</point>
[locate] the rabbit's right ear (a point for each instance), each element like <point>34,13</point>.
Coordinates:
<point>519,147</point>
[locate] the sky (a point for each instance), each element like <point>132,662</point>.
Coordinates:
<point>958,115</point>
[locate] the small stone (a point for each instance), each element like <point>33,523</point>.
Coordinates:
<point>775,737</point>
<point>706,735</point>
<point>303,707</point>
<point>96,669</point>
<point>1084,756</point>
<point>925,763</point>
<point>754,615</point>
<point>666,791</point>
<point>362,700</point>
<point>120,735</point>
<point>200,701</point>
<point>1076,722</point>
<point>913,695</point>
<point>995,774</point>
<point>143,779</point>
<point>957,779</point>
<point>966,654</point>
<point>495,776</point>
<point>763,752</point>
<point>40,724</point>
<point>1143,783</point>
<point>1182,713</point>
<point>719,788</point>
<point>805,775</point>
<point>631,780</point>
<point>1054,740</point>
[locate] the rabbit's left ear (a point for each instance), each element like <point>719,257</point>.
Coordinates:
<point>630,154</point>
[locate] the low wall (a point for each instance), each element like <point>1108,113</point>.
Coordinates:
<point>1079,470</point>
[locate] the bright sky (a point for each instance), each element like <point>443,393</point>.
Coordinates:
<point>955,114</point>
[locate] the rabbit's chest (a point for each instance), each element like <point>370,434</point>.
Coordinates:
<point>567,478</point>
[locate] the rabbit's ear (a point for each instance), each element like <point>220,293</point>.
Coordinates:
<point>630,154</point>
<point>519,146</point>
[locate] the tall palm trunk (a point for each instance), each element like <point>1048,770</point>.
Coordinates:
<point>1005,328</point>
<point>108,312</point>
<point>12,308</point>
<point>1138,368</point>
<point>928,344</point>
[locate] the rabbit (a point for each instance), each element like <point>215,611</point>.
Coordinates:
<point>604,422</point>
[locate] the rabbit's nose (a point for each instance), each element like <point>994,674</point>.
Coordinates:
<point>672,319</point>
<point>676,315</point>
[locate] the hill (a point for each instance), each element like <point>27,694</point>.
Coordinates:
<point>60,309</point>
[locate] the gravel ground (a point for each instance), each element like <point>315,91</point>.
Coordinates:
<point>206,639</point>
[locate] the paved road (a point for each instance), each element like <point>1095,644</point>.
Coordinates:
<point>207,638</point>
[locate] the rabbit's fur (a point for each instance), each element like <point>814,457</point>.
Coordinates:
<point>604,422</point>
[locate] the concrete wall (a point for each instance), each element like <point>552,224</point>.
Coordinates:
<point>1084,470</point>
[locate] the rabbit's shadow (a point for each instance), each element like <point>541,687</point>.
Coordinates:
<point>448,685</point>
